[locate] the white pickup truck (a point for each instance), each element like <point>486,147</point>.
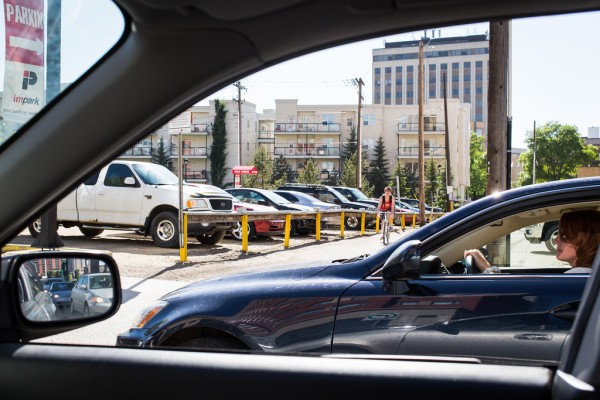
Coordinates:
<point>142,197</point>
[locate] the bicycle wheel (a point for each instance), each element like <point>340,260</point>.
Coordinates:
<point>385,232</point>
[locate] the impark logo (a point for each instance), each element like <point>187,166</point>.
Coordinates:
<point>29,79</point>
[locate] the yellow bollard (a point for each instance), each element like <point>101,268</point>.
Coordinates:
<point>342,224</point>
<point>377,223</point>
<point>183,250</point>
<point>245,233</point>
<point>288,226</point>
<point>414,224</point>
<point>318,231</point>
<point>403,221</point>
<point>362,224</point>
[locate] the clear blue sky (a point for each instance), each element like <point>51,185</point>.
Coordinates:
<point>554,73</point>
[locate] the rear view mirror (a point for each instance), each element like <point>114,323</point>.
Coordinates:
<point>60,286</point>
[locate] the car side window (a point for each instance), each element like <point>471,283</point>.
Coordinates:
<point>116,174</point>
<point>92,179</point>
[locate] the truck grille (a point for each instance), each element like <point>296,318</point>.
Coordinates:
<point>221,204</point>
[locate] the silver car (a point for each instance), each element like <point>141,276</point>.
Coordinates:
<point>307,200</point>
<point>92,294</point>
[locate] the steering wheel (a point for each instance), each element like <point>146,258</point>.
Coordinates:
<point>470,267</point>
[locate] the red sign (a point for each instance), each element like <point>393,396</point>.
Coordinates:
<point>244,170</point>
<point>24,23</point>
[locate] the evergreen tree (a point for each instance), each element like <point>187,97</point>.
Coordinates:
<point>431,181</point>
<point>309,174</point>
<point>349,172</point>
<point>264,165</point>
<point>400,172</point>
<point>281,170</point>
<point>412,179</point>
<point>350,146</point>
<point>161,156</point>
<point>218,153</point>
<point>379,176</point>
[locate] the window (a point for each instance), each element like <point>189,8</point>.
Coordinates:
<point>116,174</point>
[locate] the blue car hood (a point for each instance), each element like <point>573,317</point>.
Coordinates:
<point>324,275</point>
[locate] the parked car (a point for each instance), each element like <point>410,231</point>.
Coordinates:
<point>329,195</point>
<point>92,294</point>
<point>546,232</point>
<point>60,293</point>
<point>167,56</point>
<point>259,228</point>
<point>265,197</point>
<point>414,294</point>
<point>415,204</point>
<point>309,201</point>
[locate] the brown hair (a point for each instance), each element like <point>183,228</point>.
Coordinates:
<point>582,229</point>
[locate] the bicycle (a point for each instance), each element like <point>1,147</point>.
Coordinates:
<point>385,229</point>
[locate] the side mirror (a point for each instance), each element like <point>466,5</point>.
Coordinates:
<point>40,312</point>
<point>403,263</point>
<point>129,181</point>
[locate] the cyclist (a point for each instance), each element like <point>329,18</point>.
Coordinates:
<point>387,204</point>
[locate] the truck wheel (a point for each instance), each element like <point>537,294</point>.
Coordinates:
<point>211,239</point>
<point>35,228</point>
<point>352,223</point>
<point>549,239</point>
<point>91,232</point>
<point>165,230</point>
<point>236,232</point>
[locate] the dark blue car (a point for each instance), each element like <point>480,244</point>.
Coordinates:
<point>416,296</point>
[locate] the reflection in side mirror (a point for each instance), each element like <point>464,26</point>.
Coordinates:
<point>56,286</point>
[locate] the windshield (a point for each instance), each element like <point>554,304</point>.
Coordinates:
<point>358,194</point>
<point>61,286</point>
<point>154,174</point>
<point>275,197</point>
<point>48,49</point>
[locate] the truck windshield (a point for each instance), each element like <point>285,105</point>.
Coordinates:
<point>154,174</point>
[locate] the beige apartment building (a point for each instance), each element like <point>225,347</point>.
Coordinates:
<point>319,132</point>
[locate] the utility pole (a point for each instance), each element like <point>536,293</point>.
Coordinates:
<point>498,128</point>
<point>534,149</point>
<point>239,87</point>
<point>359,82</point>
<point>449,206</point>
<point>421,139</point>
<point>48,237</point>
<point>498,107</point>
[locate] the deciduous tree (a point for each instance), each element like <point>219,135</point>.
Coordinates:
<point>559,151</point>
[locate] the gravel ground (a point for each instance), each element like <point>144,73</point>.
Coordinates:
<point>138,257</point>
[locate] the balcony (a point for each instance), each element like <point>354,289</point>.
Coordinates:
<point>266,137</point>
<point>293,127</point>
<point>413,151</point>
<point>195,176</point>
<point>200,152</point>
<point>409,127</point>
<point>298,151</point>
<point>138,151</point>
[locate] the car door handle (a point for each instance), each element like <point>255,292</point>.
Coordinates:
<point>566,311</point>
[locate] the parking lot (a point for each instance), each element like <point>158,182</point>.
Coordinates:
<point>138,257</point>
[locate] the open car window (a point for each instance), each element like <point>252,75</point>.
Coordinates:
<point>315,127</point>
